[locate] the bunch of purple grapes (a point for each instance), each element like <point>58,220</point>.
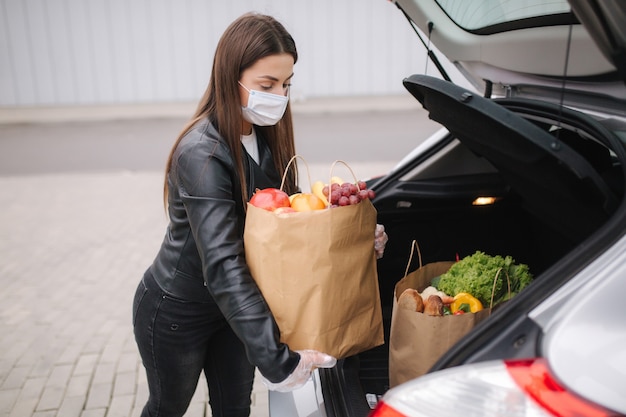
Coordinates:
<point>347,193</point>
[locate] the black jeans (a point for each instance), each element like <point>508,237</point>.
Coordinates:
<point>177,340</point>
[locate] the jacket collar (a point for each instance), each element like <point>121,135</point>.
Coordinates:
<point>264,174</point>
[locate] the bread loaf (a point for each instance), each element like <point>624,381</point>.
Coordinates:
<point>411,300</point>
<point>433,306</point>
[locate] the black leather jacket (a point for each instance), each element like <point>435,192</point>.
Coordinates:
<point>202,256</point>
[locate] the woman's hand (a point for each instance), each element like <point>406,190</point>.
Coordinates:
<point>309,360</point>
<point>380,240</point>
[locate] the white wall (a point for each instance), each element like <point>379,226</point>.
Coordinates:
<point>75,52</point>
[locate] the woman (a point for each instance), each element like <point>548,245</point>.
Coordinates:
<point>197,307</point>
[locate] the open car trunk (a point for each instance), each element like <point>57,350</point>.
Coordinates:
<point>557,177</point>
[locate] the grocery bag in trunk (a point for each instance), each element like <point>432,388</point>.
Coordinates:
<point>317,272</point>
<point>418,340</point>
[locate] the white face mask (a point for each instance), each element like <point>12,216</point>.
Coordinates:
<point>264,109</point>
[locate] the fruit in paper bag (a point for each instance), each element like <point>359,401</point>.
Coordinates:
<point>317,189</point>
<point>348,193</point>
<point>306,202</point>
<point>270,199</point>
<point>284,210</point>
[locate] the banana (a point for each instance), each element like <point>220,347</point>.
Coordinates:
<point>317,188</point>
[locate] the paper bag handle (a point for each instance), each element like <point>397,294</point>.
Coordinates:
<point>495,279</point>
<point>332,168</point>
<point>293,158</point>
<point>414,245</point>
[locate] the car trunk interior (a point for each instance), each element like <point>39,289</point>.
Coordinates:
<point>551,192</point>
<point>445,227</point>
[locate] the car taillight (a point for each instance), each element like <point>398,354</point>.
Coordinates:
<point>534,377</point>
<point>383,410</point>
<point>488,389</point>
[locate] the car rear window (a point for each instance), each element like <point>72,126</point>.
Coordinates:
<point>490,16</point>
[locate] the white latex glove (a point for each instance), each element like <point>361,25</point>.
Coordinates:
<point>309,360</point>
<point>380,240</point>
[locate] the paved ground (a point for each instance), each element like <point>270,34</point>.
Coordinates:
<point>73,246</point>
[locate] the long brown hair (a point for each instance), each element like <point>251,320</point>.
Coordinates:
<point>249,38</point>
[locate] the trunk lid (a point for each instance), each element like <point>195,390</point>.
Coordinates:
<point>539,51</point>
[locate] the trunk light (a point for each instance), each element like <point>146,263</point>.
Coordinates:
<point>484,201</point>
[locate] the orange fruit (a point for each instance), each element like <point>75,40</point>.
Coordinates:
<point>307,202</point>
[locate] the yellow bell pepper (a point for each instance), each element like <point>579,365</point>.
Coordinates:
<point>462,298</point>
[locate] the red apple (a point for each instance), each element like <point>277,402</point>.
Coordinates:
<point>284,210</point>
<point>270,199</point>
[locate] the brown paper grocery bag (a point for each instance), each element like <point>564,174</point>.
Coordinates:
<point>418,340</point>
<point>317,272</point>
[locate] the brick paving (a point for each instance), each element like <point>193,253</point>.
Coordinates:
<point>73,248</point>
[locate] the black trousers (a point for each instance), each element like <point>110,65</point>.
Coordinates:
<point>178,340</point>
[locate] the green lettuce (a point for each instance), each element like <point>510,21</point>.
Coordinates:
<point>475,274</point>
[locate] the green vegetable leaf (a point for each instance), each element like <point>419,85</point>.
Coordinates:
<point>435,281</point>
<point>483,275</point>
